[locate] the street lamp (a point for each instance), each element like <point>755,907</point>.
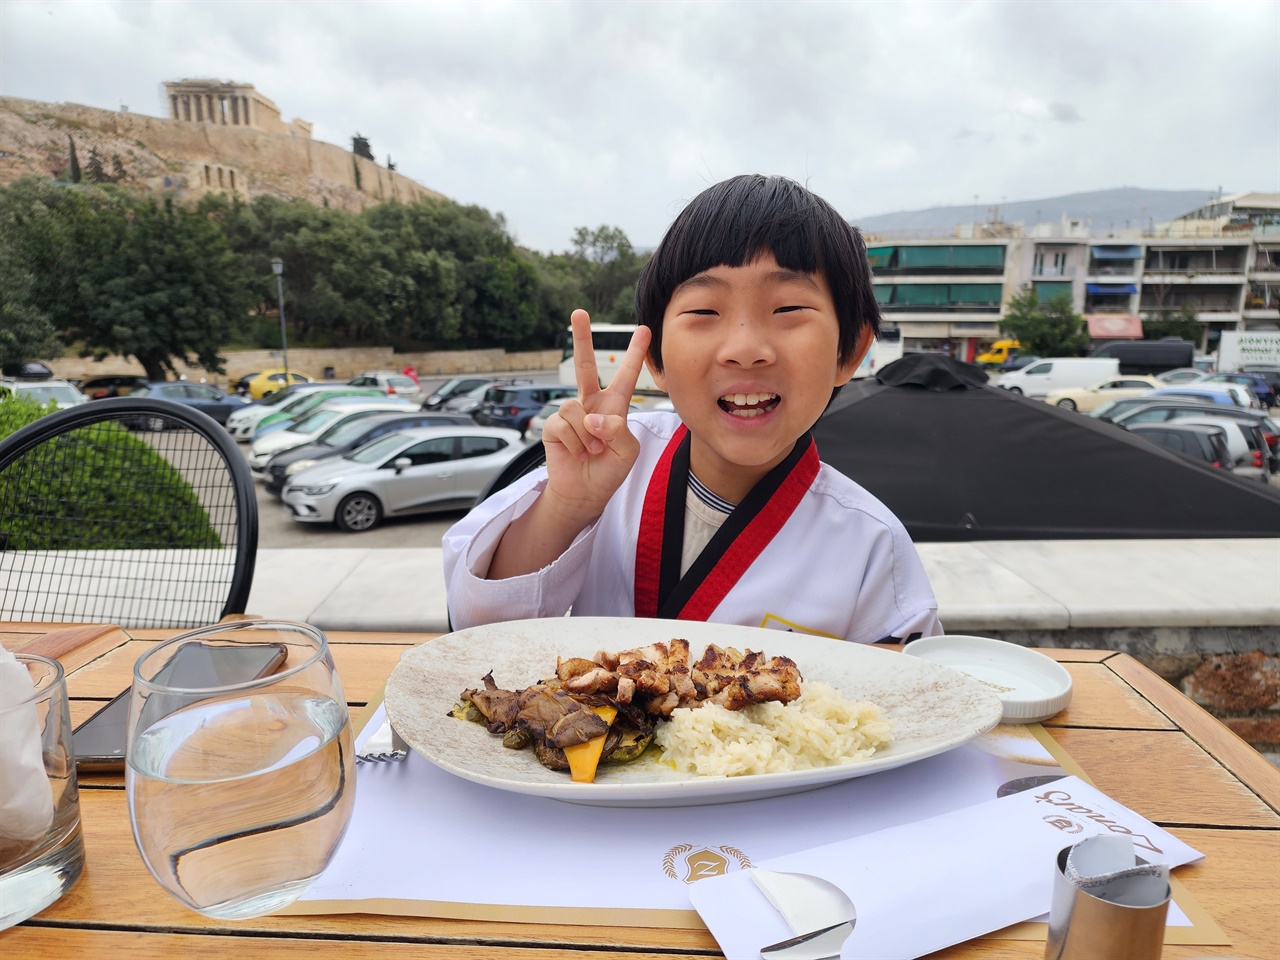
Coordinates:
<point>277,266</point>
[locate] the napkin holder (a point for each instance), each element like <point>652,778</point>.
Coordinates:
<point>1085,926</point>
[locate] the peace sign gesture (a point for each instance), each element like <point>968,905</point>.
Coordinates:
<point>590,451</point>
<point>589,448</point>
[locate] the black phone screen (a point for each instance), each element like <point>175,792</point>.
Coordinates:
<point>100,741</point>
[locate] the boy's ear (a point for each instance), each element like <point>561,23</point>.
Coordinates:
<point>658,377</point>
<point>850,366</point>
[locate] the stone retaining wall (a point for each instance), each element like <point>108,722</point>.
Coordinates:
<point>1233,672</point>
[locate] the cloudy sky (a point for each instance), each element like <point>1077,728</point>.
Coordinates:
<point>567,114</point>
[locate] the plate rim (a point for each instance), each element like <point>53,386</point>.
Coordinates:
<point>714,788</point>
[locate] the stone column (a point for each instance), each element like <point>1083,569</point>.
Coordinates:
<point>199,109</point>
<point>246,111</point>
<point>186,107</point>
<point>208,98</point>
<point>173,105</point>
<point>235,111</point>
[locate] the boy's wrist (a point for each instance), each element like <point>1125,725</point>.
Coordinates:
<point>569,513</point>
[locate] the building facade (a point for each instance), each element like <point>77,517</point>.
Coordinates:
<point>1222,261</point>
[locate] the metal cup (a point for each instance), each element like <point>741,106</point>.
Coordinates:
<point>1084,927</point>
<point>37,870</point>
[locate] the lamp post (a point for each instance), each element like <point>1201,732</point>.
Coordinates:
<point>277,266</point>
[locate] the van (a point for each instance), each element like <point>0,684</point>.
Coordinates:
<point>999,352</point>
<point>1055,373</point>
<point>1149,356</point>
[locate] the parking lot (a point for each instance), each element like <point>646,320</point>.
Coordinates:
<point>277,530</point>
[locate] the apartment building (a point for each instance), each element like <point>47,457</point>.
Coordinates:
<point>1222,261</point>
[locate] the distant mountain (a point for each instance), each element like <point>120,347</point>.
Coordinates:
<point>1124,207</point>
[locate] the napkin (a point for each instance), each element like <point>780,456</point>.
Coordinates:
<point>922,886</point>
<point>1107,867</point>
<point>26,803</point>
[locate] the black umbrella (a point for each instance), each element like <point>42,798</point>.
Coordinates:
<point>956,459</point>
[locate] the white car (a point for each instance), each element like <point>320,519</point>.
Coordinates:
<point>58,392</point>
<point>391,383</point>
<point>534,431</point>
<point>312,425</point>
<point>240,423</point>
<point>422,470</point>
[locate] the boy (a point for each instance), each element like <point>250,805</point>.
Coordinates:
<point>756,305</point>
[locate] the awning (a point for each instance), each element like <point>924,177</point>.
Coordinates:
<point>1114,326</point>
<point>1113,288</point>
<point>1128,252</point>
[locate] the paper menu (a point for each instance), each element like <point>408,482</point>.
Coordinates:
<point>919,887</point>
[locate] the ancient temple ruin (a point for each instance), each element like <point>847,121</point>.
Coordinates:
<point>229,104</point>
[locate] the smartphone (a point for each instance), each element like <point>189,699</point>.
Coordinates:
<point>100,741</point>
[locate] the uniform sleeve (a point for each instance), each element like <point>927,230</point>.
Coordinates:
<point>895,600</point>
<point>469,546</point>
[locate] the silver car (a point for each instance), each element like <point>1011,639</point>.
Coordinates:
<point>422,470</point>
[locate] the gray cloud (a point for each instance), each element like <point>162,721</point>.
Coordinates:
<point>559,114</point>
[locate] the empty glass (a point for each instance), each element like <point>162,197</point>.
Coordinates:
<point>41,848</point>
<point>239,790</point>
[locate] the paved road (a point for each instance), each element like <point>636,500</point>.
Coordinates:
<point>276,529</point>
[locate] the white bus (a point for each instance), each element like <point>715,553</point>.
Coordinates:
<point>884,350</point>
<point>610,341</point>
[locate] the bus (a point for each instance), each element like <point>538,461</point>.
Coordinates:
<point>610,341</point>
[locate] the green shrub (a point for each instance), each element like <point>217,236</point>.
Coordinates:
<point>95,488</point>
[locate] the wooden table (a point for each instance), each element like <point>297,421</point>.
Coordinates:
<point>1137,738</point>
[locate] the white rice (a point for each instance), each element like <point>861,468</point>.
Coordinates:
<point>820,729</point>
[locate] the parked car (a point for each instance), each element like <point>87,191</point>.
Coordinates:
<point>269,381</point>
<point>58,392</point>
<point>1198,442</point>
<point>1056,373</point>
<point>533,432</point>
<point>513,405</point>
<point>1270,373</point>
<point>469,402</point>
<point>417,471</point>
<point>1160,410</point>
<point>308,428</point>
<point>208,400</point>
<point>1180,375</point>
<point>453,388</point>
<point>343,437</point>
<point>241,423</point>
<point>1245,445</point>
<point>120,385</point>
<point>26,370</point>
<point>1091,397</point>
<point>1254,381</point>
<point>389,382</point>
<point>1227,394</point>
<point>291,413</point>
<point>1017,361</point>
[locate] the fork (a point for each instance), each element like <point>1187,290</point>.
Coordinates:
<point>384,746</point>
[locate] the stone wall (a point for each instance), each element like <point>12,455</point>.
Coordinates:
<point>345,363</point>
<point>185,158</point>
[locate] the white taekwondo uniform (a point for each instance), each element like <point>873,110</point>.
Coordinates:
<point>841,565</point>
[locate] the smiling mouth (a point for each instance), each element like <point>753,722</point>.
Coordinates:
<point>748,405</point>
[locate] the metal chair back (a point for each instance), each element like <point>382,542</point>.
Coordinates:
<point>134,511</point>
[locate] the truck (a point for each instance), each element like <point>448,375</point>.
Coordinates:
<point>1238,350</point>
<point>1149,356</point>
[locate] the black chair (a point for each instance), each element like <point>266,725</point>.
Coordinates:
<point>133,511</point>
<point>526,461</point>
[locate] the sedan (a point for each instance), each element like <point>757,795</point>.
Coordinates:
<point>308,428</point>
<point>424,470</point>
<point>468,402</point>
<point>1085,399</point>
<point>208,400</point>
<point>452,388</point>
<point>346,436</point>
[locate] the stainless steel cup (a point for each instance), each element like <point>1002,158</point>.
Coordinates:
<point>1084,927</point>
<point>37,870</point>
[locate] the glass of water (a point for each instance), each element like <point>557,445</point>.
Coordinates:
<point>240,769</point>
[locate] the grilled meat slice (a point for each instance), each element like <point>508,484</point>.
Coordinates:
<point>558,718</point>
<point>498,706</point>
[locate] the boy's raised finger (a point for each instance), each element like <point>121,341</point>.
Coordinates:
<point>584,354</point>
<point>628,375</point>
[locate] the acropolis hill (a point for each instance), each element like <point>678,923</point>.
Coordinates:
<point>218,137</point>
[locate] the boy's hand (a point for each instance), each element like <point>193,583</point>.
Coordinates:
<point>590,451</point>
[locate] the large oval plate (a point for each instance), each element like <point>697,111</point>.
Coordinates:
<point>935,708</point>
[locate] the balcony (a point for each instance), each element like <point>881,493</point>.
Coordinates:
<point>1113,268</point>
<point>1054,273</point>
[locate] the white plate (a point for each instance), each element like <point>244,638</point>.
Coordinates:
<point>935,707</point>
<point>1031,686</point>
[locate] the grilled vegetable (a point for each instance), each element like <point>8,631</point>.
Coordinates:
<point>585,757</point>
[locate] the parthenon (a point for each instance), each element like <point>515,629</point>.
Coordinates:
<point>225,103</point>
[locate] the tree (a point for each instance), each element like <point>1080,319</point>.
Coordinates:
<point>25,330</point>
<point>73,171</point>
<point>360,147</point>
<point>1181,324</point>
<point>93,169</point>
<point>118,172</point>
<point>390,165</point>
<point>1050,329</point>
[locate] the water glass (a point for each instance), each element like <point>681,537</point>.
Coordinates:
<point>41,848</point>
<point>239,792</point>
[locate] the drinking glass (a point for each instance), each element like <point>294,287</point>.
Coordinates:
<point>41,847</point>
<point>239,793</point>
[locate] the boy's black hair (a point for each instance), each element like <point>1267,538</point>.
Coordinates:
<point>734,221</point>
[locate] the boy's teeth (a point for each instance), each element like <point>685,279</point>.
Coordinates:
<point>747,399</point>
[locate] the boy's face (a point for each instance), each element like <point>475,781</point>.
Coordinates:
<point>750,357</point>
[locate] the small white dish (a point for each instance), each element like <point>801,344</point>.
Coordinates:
<point>1031,686</point>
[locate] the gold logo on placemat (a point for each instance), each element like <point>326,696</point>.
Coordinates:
<point>702,862</point>
<point>1065,824</point>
